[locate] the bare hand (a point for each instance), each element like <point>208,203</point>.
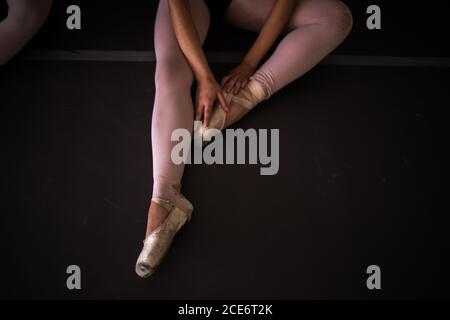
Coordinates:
<point>208,92</point>
<point>238,78</point>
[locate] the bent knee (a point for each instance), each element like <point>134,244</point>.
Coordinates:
<point>339,18</point>
<point>30,18</point>
<point>333,14</point>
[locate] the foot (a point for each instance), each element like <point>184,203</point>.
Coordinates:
<point>157,214</point>
<point>235,114</point>
<point>248,98</point>
<point>165,219</point>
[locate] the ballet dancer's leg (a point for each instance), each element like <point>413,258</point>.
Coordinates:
<point>315,29</point>
<point>173,107</point>
<point>24,19</point>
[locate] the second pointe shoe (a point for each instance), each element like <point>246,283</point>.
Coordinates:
<point>248,98</point>
<point>157,244</point>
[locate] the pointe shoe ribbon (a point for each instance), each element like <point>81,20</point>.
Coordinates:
<point>157,244</point>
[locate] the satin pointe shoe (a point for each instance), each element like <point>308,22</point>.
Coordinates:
<point>157,244</point>
<point>247,99</point>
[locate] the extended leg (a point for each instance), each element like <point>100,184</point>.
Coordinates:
<point>173,108</point>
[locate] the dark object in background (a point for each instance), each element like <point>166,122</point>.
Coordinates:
<point>3,10</point>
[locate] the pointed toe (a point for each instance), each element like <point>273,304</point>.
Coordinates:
<point>144,270</point>
<point>159,241</point>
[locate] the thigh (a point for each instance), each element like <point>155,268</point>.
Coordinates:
<point>30,7</point>
<point>246,15</point>
<point>166,44</point>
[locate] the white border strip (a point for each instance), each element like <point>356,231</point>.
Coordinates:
<point>232,57</point>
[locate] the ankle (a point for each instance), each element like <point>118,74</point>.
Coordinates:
<point>168,190</point>
<point>165,188</point>
<point>264,84</point>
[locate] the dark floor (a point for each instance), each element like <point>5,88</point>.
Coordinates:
<point>362,181</point>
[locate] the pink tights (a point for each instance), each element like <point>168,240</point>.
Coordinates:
<point>316,28</point>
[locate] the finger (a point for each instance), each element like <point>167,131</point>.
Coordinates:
<point>225,80</point>
<point>199,112</point>
<point>225,86</point>
<point>231,84</point>
<point>207,115</point>
<point>223,102</point>
<point>228,88</point>
<point>244,83</point>
<point>237,87</point>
